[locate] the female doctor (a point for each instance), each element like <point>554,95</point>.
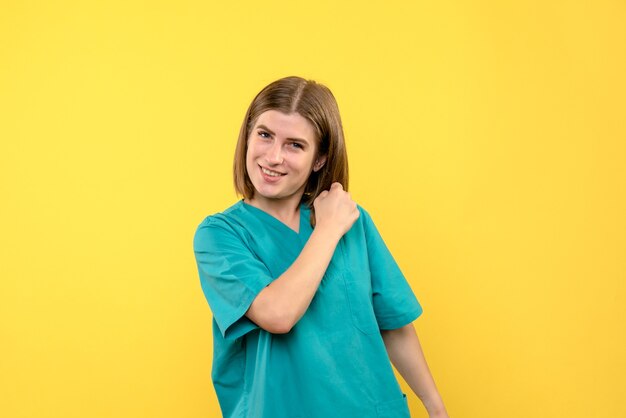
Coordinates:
<point>309,306</point>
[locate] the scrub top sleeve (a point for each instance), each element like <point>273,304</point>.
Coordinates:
<point>230,275</point>
<point>395,305</point>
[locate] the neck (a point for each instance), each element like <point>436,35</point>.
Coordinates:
<point>286,211</point>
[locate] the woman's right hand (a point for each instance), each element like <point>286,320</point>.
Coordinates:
<point>335,210</point>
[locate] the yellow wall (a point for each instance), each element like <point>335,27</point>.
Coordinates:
<point>487,140</point>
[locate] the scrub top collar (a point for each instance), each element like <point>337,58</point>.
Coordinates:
<point>305,225</point>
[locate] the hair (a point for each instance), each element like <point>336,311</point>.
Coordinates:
<point>316,103</point>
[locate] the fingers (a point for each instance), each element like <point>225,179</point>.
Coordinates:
<point>333,187</point>
<point>335,210</point>
<point>336,185</point>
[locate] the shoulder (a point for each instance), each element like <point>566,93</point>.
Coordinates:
<point>224,218</point>
<point>362,210</point>
<point>219,226</point>
<point>362,226</point>
<point>364,218</point>
<point>366,224</point>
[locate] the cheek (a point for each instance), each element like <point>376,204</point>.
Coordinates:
<point>250,153</point>
<point>310,164</point>
<point>254,150</point>
<point>249,162</point>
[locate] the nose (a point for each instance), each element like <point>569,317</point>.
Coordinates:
<point>274,154</point>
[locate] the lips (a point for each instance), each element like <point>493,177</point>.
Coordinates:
<point>270,176</point>
<point>271,173</point>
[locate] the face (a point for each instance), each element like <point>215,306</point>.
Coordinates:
<point>282,154</point>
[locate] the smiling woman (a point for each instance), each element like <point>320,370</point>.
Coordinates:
<point>280,158</point>
<point>308,108</point>
<point>308,304</point>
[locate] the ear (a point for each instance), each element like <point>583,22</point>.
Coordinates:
<point>319,163</point>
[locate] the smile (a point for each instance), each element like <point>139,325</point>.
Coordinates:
<point>271,173</point>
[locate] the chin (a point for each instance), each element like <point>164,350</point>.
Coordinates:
<point>265,194</point>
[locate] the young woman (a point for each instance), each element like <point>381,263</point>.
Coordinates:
<point>308,304</point>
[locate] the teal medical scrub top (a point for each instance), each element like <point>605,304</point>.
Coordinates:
<point>333,362</point>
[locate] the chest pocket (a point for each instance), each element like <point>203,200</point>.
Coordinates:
<point>357,280</point>
<point>358,287</point>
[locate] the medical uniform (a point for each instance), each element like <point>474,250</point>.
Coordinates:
<point>333,362</point>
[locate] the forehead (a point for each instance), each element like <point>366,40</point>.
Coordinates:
<point>288,125</point>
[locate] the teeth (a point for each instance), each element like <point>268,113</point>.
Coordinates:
<point>271,173</point>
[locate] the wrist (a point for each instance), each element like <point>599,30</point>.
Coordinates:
<point>327,233</point>
<point>435,407</point>
<point>437,412</point>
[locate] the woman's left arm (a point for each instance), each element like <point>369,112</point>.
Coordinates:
<point>405,352</point>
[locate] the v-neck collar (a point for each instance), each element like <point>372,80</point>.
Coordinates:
<point>302,224</point>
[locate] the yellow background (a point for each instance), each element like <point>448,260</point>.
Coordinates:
<point>486,138</point>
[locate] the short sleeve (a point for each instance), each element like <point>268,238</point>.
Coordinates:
<point>395,304</point>
<point>230,275</point>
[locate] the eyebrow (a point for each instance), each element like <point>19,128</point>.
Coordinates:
<point>269,131</point>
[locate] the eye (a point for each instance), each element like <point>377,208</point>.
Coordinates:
<point>297,145</point>
<point>264,134</point>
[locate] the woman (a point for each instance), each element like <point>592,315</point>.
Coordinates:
<point>308,304</point>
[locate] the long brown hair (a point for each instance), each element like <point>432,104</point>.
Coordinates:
<point>316,103</point>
